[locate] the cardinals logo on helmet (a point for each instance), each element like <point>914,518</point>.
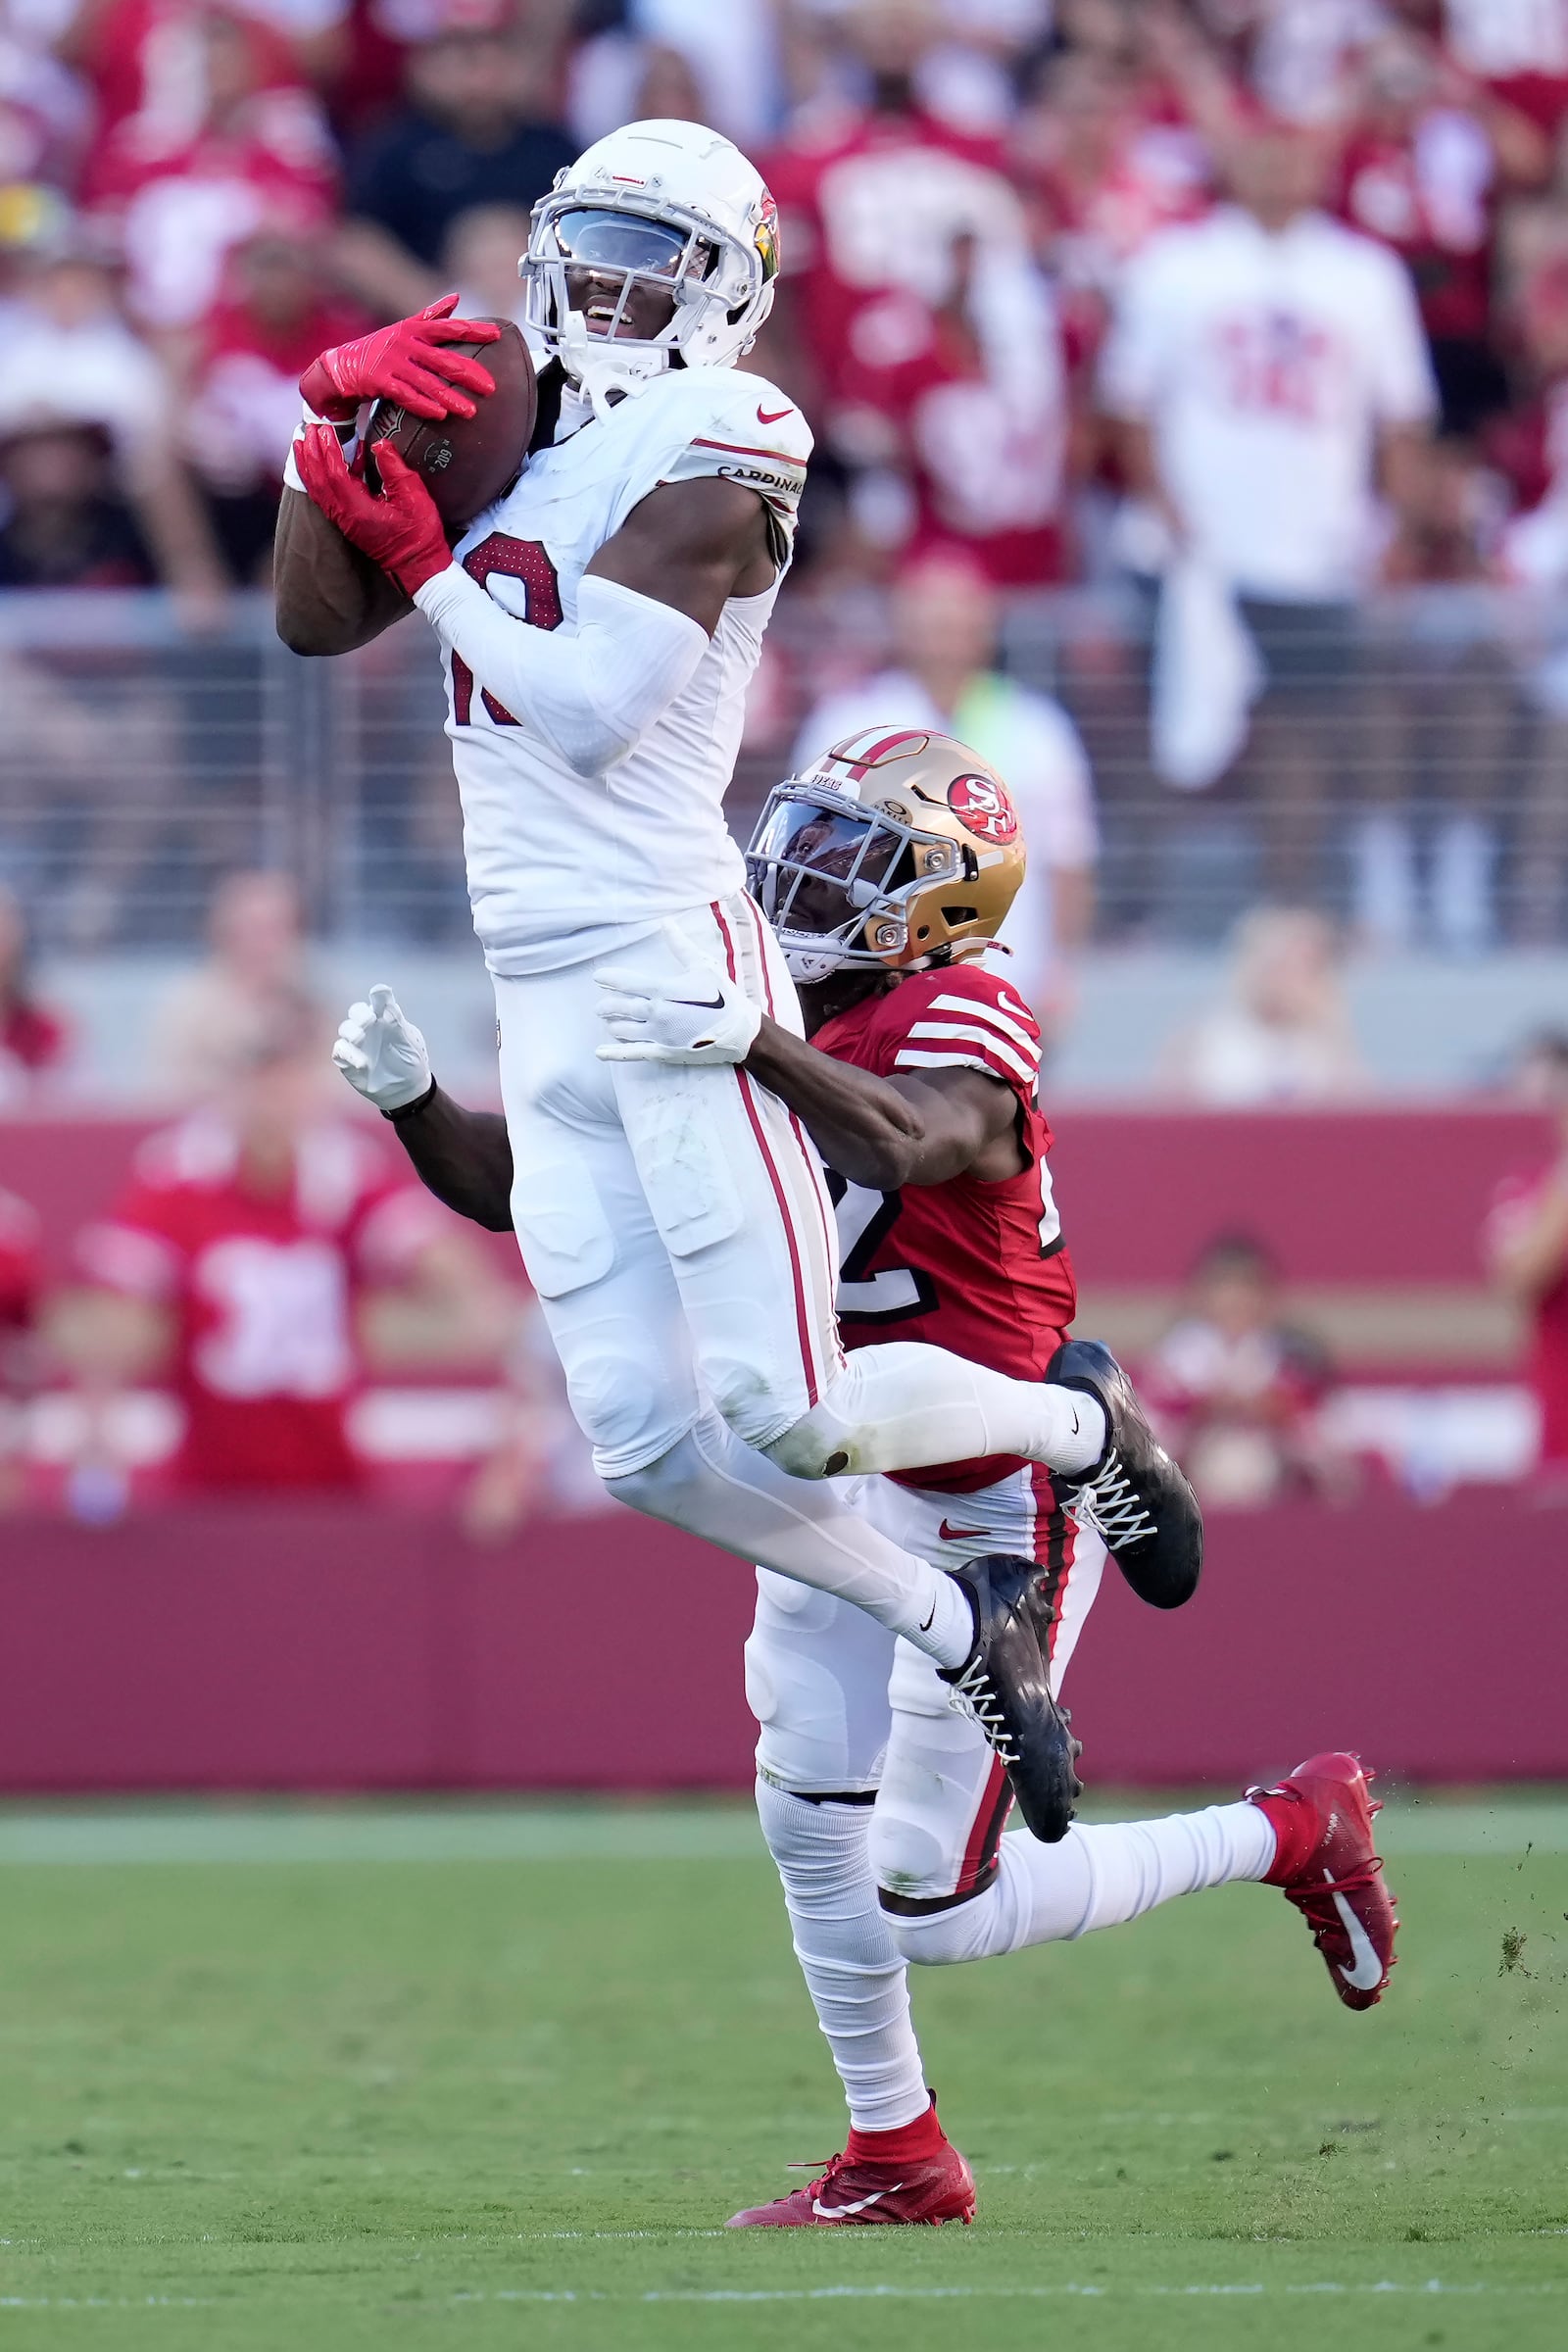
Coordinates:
<point>980,804</point>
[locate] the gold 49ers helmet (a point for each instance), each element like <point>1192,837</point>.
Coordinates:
<point>899,848</point>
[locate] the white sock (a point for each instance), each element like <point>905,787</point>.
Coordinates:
<point>903,1406</point>
<point>714,1486</point>
<point>854,1970</point>
<point>1099,1876</point>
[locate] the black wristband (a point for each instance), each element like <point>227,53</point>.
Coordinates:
<point>410,1110</point>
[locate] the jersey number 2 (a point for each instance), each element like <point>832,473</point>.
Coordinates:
<point>524,560</point>
<point>864,1220</point>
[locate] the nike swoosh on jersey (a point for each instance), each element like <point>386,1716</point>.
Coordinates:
<point>1368,1970</point>
<point>956,1534</point>
<point>831,2213</point>
<point>771,415</point>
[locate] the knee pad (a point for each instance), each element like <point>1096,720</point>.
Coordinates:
<point>908,1857</point>
<point>816,1680</point>
<point>621,1406</point>
<point>817,1445</point>
<point>943,1938</point>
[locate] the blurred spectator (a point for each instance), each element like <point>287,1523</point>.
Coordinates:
<point>213,1021</point>
<point>21,1286</point>
<point>1284,1033</point>
<point>1518,48</point>
<point>243,401</point>
<point>227,141</point>
<point>877,204</point>
<point>1427,159</point>
<point>480,260</point>
<point>69,355</point>
<point>1526,1244</point>
<point>1437,726</point>
<point>34,1038</point>
<point>473,131</point>
<point>1237,1388</point>
<point>239,1262</point>
<point>944,676</point>
<point>64,527</point>
<point>1264,365</point>
<point>679,59</point>
<point>972,409</point>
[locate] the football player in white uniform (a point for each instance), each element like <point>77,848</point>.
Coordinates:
<point>600,625</point>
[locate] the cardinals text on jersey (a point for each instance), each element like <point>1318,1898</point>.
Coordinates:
<point>979,1268</point>
<point>559,868</point>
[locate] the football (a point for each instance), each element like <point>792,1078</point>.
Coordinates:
<point>465,462</point>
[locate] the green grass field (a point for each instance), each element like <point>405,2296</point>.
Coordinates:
<point>342,2078</point>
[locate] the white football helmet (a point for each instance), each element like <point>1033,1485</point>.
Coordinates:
<point>665,204</point>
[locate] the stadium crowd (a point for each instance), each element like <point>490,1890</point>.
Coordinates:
<point>196,195</point>
<point>1236,310</point>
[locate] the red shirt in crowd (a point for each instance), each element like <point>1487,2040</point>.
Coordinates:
<point>1431,193</point>
<point>872,206</point>
<point>980,1268</point>
<point>1546,1359</point>
<point>245,401</point>
<point>262,1289</point>
<point>19,1266</point>
<point>32,1039</point>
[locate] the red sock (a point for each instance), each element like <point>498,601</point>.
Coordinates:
<point>1295,1829</point>
<point>908,2144</point>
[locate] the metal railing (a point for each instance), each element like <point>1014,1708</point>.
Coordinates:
<point>1407,767</point>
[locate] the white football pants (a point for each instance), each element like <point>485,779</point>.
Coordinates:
<point>870,1780</point>
<point>677,1228</point>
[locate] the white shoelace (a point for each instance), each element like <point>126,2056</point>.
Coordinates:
<point>1108,1504</point>
<point>972,1692</point>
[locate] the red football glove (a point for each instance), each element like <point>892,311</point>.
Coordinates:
<point>406,363</point>
<point>400,530</point>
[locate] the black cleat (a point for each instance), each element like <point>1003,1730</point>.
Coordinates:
<point>1136,1498</point>
<point>1005,1684</point>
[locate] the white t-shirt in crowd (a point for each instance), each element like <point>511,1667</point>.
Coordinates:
<point>1039,755</point>
<point>1263,365</point>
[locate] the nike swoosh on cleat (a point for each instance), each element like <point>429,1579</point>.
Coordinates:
<point>772,417</point>
<point>831,2213</point>
<point>1368,1970</point>
<point>931,1620</point>
<point>955,1535</point>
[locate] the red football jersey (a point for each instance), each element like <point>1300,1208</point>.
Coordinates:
<point>980,1269</point>
<point>870,207</point>
<point>262,1287</point>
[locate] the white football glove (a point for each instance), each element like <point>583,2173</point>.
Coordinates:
<point>699,1016</point>
<point>382,1054</point>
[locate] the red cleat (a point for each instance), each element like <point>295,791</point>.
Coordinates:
<point>855,2189</point>
<point>1322,1818</point>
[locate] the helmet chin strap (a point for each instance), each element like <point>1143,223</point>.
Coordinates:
<point>603,369</point>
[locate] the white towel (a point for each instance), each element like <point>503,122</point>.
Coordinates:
<point>1206,677</point>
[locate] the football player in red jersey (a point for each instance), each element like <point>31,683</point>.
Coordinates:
<point>887,870</point>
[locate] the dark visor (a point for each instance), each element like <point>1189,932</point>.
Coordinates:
<point>797,834</point>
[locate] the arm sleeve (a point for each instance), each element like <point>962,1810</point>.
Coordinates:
<point>591,692</point>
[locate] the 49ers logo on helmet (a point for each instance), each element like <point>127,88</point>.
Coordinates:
<point>980,803</point>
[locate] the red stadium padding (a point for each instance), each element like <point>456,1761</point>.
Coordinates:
<point>333,1646</point>
<point>1379,1197</point>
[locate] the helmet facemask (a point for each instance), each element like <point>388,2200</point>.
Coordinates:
<point>834,878</point>
<point>646,243</point>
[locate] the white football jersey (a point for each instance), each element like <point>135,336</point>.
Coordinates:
<point>561,867</point>
<point>1263,365</point>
